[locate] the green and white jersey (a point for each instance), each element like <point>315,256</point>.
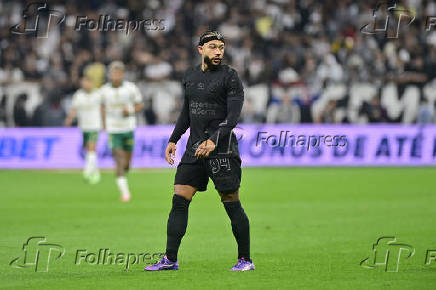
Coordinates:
<point>88,107</point>
<point>127,95</point>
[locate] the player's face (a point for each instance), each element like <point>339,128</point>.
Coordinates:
<point>86,84</point>
<point>116,76</point>
<point>213,50</point>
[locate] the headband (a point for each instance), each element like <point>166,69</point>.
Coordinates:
<point>210,36</point>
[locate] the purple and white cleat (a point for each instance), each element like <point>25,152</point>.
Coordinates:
<point>163,264</point>
<point>243,265</point>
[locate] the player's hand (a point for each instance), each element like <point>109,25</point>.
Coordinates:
<point>170,153</point>
<point>125,112</point>
<point>204,149</point>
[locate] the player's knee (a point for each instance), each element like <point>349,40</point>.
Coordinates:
<point>229,196</point>
<point>91,147</point>
<point>185,191</point>
<point>120,171</point>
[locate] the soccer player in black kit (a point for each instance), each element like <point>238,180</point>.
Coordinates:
<point>213,98</point>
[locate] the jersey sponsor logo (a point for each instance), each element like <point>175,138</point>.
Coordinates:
<point>204,109</point>
<point>214,86</point>
<point>200,86</point>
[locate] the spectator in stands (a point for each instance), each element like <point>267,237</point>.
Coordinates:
<point>53,114</point>
<point>3,117</point>
<point>178,103</point>
<point>374,111</point>
<point>284,111</point>
<point>38,115</point>
<point>249,114</point>
<point>20,114</point>
<point>328,115</point>
<point>425,112</point>
<point>149,114</point>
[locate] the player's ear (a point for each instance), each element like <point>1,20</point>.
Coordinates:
<point>200,49</point>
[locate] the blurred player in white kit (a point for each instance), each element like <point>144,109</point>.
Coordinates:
<point>86,106</point>
<point>121,100</point>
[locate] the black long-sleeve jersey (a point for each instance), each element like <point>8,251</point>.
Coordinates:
<point>213,102</point>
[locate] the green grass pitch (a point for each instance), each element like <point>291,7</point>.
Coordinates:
<point>310,229</point>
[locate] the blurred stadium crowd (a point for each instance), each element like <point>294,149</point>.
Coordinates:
<point>301,61</point>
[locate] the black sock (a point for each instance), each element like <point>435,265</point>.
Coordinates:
<point>176,226</point>
<point>240,228</point>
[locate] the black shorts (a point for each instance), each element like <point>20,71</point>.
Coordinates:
<point>224,172</point>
